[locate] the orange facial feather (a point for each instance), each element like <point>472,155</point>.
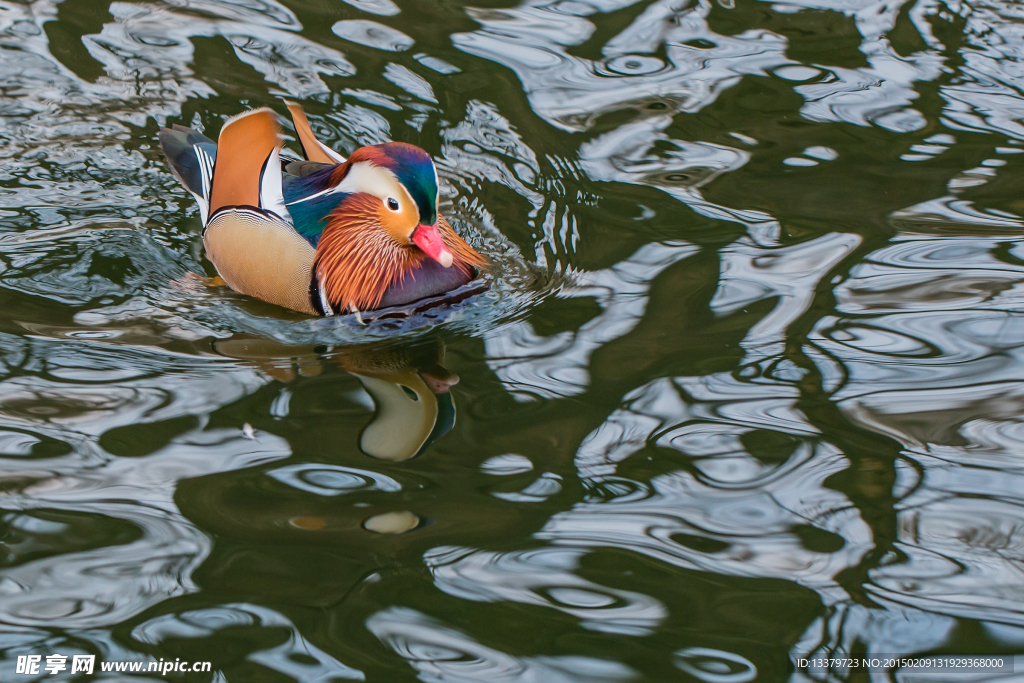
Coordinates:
<point>464,256</point>
<point>357,260</point>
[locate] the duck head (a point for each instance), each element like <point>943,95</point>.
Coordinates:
<point>403,178</point>
<point>385,228</point>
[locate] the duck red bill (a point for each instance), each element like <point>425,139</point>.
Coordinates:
<point>427,238</point>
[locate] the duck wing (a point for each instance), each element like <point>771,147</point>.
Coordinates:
<point>313,149</point>
<point>309,185</point>
<point>250,237</point>
<point>303,168</point>
<point>311,197</point>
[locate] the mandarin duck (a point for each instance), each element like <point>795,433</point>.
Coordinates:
<point>327,235</point>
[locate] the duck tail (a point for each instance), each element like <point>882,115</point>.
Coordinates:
<point>191,156</point>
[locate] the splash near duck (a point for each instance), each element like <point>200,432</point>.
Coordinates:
<point>325,235</point>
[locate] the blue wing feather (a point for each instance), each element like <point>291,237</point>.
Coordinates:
<point>309,208</point>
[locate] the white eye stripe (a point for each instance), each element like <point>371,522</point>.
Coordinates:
<point>437,184</point>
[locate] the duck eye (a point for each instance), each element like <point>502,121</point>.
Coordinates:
<point>392,203</point>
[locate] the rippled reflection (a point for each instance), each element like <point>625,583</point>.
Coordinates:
<point>160,549</point>
<point>437,652</point>
<point>715,666</point>
<point>746,385</point>
<point>410,392</point>
<point>571,92</point>
<point>543,577</point>
<point>296,658</point>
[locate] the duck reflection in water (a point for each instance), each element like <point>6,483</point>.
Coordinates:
<point>410,389</point>
<point>414,405</point>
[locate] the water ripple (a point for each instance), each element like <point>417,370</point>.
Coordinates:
<point>828,185</point>
<point>510,463</point>
<point>108,585</point>
<point>572,92</point>
<point>372,34</point>
<point>557,366</point>
<point>927,333</point>
<point>440,653</point>
<point>753,525</point>
<point>542,577</point>
<point>333,480</point>
<point>715,666</point>
<point>296,657</point>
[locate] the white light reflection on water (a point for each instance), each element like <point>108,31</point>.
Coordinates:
<point>751,510</point>
<point>572,92</point>
<point>105,586</point>
<point>296,657</point>
<point>961,369</point>
<point>921,345</point>
<point>947,388</point>
<point>440,653</point>
<point>531,365</point>
<point>543,577</point>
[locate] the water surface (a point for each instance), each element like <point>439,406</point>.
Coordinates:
<point>747,386</point>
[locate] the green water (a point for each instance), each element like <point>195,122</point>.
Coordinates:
<point>746,388</point>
